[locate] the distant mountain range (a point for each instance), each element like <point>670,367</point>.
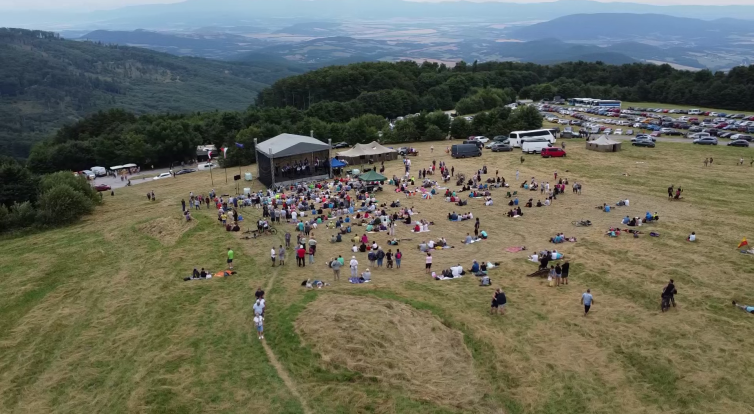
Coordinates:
<point>621,27</point>
<point>197,13</point>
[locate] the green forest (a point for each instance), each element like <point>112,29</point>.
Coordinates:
<point>355,103</point>
<point>47,82</point>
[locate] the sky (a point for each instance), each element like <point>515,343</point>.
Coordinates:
<point>111,4</point>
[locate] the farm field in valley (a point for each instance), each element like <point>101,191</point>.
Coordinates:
<point>97,318</point>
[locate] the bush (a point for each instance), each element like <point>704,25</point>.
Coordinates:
<point>78,184</point>
<point>4,218</point>
<point>62,205</point>
<point>21,215</point>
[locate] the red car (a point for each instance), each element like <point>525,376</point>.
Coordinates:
<point>102,187</point>
<point>553,152</point>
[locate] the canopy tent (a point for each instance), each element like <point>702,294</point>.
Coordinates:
<point>372,176</point>
<point>129,165</point>
<point>336,163</point>
<point>117,167</point>
<point>285,145</point>
<point>603,144</point>
<point>362,153</point>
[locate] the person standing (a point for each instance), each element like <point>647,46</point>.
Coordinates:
<point>476,228</point>
<point>281,255</point>
<point>312,250</point>
<point>230,258</point>
<point>380,256</point>
<point>301,256</point>
<point>587,300</point>
<point>389,256</point>
<point>287,240</point>
<point>272,256</point>
<point>335,265</point>
<point>428,263</point>
<point>183,205</point>
<point>354,265</point>
<point>452,171</point>
<point>558,274</point>
<point>398,257</point>
<point>501,301</point>
<point>494,305</point>
<point>670,191</point>
<point>516,175</point>
<point>669,293</point>
<point>564,269</point>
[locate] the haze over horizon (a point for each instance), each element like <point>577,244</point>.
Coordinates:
<point>90,5</point>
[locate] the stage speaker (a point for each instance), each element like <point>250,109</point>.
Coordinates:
<point>237,177</point>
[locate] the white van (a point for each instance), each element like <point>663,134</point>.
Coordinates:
<point>517,137</point>
<point>99,171</point>
<point>695,112</point>
<point>534,147</point>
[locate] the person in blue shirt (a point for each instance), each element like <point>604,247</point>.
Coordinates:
<point>748,309</point>
<point>626,220</point>
<point>474,267</point>
<point>515,201</point>
<point>587,300</point>
<point>483,234</point>
<point>607,208</point>
<point>647,217</point>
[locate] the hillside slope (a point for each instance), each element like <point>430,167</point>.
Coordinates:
<point>46,81</point>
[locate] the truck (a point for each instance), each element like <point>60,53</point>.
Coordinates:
<point>99,171</point>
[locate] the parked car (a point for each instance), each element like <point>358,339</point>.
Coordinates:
<point>207,166</point>
<point>706,141</point>
<point>482,139</point>
<point>105,187</point>
<point>643,143</point>
<point>738,143</point>
<point>185,171</point>
<point>553,152</point>
<point>500,147</point>
<point>163,175</point>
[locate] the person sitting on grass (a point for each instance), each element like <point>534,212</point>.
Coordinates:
<point>745,308</point>
<point>692,237</point>
<point>366,275</point>
<point>485,281</point>
<point>468,239</point>
<point>475,267</point>
<point>483,235</point>
<point>625,220</point>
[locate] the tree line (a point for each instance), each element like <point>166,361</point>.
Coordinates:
<point>359,103</point>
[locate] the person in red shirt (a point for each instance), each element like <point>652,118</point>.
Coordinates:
<point>301,256</point>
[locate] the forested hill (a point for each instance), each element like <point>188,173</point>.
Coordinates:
<point>46,82</point>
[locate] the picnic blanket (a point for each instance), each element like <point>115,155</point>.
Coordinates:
<point>420,231</point>
<point>514,249</point>
<point>447,278</point>
<point>224,273</point>
<point>475,241</point>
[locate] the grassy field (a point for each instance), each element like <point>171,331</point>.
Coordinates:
<point>96,317</point>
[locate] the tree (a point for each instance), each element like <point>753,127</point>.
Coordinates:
<point>17,184</point>
<point>62,204</point>
<point>434,133</point>
<point>460,128</point>
<point>526,117</point>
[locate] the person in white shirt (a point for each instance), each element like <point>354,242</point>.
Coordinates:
<point>259,323</point>
<point>431,244</point>
<point>293,216</point>
<point>692,237</point>
<point>354,265</point>
<point>534,258</point>
<point>457,270</point>
<point>354,249</point>
<point>272,256</point>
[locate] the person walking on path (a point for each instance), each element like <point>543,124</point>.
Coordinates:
<point>272,256</point>
<point>281,255</point>
<point>587,300</point>
<point>335,265</point>
<point>354,265</point>
<point>230,259</point>
<point>398,257</point>
<point>259,323</point>
<point>428,265</point>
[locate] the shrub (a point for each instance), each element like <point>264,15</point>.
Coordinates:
<point>21,215</point>
<point>78,184</point>
<point>62,204</point>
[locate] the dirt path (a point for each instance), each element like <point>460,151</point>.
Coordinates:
<point>282,373</point>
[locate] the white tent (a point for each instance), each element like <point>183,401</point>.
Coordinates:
<point>603,144</point>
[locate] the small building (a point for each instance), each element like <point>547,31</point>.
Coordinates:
<point>288,159</point>
<point>603,144</point>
